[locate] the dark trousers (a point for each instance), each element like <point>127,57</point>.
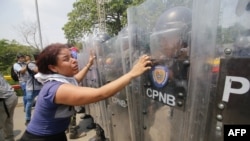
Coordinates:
<point>30,137</point>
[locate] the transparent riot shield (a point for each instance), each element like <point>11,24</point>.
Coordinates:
<point>94,78</point>
<point>117,104</point>
<point>91,79</point>
<point>199,81</point>
<point>230,93</point>
<point>160,95</point>
<point>99,45</point>
<point>82,59</point>
<point>168,78</point>
<point>140,24</point>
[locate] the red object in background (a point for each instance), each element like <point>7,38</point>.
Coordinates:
<point>74,49</point>
<point>16,87</point>
<point>215,69</point>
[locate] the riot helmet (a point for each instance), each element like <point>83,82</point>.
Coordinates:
<point>102,37</point>
<point>132,34</point>
<point>171,35</point>
<point>112,66</point>
<point>242,7</point>
<point>123,38</point>
<point>248,6</point>
<point>241,42</point>
<point>138,38</point>
<point>99,43</point>
<point>242,46</point>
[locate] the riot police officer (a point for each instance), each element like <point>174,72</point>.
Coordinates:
<point>169,47</point>
<point>170,44</point>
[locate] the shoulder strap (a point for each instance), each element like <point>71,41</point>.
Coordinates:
<point>29,70</point>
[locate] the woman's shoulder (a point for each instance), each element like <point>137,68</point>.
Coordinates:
<point>52,83</point>
<point>49,88</point>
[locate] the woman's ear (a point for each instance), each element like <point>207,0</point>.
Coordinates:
<point>52,68</point>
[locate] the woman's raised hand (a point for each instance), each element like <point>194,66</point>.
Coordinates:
<point>91,58</point>
<point>143,64</point>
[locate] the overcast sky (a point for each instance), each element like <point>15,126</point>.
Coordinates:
<point>52,13</point>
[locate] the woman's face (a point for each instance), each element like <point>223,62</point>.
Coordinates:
<point>66,64</point>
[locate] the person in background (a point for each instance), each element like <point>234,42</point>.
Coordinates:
<point>59,73</point>
<point>73,49</point>
<point>27,58</point>
<point>20,69</point>
<point>8,102</point>
<point>33,87</point>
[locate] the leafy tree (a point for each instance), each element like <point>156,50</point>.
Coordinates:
<point>8,52</point>
<point>83,19</point>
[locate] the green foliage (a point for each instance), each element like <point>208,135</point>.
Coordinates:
<point>8,52</point>
<point>83,19</point>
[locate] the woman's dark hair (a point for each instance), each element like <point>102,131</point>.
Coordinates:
<point>35,55</point>
<point>69,45</point>
<point>49,57</point>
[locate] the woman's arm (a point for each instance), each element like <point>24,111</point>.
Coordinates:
<point>82,73</point>
<point>73,95</point>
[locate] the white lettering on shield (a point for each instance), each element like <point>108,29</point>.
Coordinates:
<point>161,97</point>
<point>245,85</point>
